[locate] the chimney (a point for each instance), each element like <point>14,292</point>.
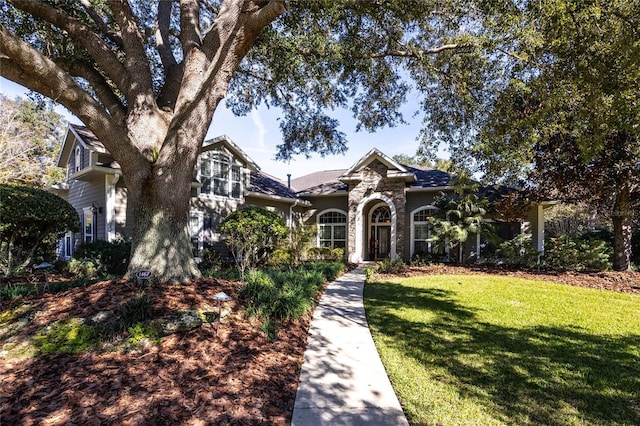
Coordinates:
<point>289,180</point>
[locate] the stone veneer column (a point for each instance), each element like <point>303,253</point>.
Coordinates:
<point>375,180</point>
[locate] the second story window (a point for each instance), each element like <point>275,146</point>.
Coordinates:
<point>219,176</point>
<point>77,159</point>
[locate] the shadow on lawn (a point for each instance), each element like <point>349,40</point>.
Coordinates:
<point>533,375</point>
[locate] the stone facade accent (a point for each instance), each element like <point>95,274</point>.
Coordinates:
<point>374,179</point>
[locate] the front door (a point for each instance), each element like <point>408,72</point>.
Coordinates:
<point>380,242</point>
<point>384,241</point>
<point>380,232</point>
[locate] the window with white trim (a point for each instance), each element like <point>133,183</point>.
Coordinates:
<point>422,230</point>
<point>77,160</point>
<point>219,176</point>
<point>66,246</point>
<point>195,228</point>
<point>88,224</point>
<point>332,229</point>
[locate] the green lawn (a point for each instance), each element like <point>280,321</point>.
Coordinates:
<point>474,349</point>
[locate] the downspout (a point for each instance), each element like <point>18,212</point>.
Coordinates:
<point>291,207</point>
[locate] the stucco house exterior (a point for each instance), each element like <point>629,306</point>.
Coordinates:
<point>376,209</point>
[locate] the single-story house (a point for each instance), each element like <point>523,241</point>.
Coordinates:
<point>376,209</point>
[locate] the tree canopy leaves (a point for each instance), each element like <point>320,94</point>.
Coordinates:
<point>29,142</point>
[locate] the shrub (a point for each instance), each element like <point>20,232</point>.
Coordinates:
<point>210,260</point>
<point>389,266</point>
<point>319,253</point>
<point>368,274</point>
<point>337,253</point>
<point>85,269</point>
<point>518,251</point>
<point>31,218</point>
<point>281,295</point>
<point>113,257</point>
<point>423,258</point>
<point>565,253</point>
<point>281,257</point>
<point>251,234</point>
<point>635,247</point>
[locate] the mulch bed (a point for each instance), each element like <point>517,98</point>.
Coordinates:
<point>196,378</point>
<point>239,377</point>
<point>622,282</point>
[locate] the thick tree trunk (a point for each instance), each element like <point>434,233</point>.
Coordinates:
<point>159,197</point>
<point>161,241</point>
<point>622,230</point>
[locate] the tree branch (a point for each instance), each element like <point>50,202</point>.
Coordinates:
<point>99,51</point>
<point>101,88</point>
<point>114,36</point>
<point>172,70</point>
<point>264,15</point>
<point>417,53</point>
<point>162,35</point>
<point>25,65</point>
<point>136,58</point>
<point>189,25</point>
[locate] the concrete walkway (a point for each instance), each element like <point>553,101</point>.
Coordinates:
<point>342,381</point>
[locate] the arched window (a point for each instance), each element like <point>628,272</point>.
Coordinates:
<point>422,230</point>
<point>219,176</point>
<point>381,214</point>
<point>332,229</point>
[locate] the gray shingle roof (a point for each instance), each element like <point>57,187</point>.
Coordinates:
<point>430,178</point>
<point>322,182</point>
<point>87,136</point>
<point>266,184</point>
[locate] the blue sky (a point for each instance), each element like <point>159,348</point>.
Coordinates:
<point>258,135</point>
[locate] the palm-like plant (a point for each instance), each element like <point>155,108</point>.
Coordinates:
<point>458,217</point>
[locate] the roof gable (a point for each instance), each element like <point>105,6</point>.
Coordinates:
<point>375,154</point>
<point>226,142</point>
<point>82,135</point>
<point>394,169</point>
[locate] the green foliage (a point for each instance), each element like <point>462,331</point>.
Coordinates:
<point>282,256</point>
<point>140,333</point>
<point>210,261</point>
<point>31,218</point>
<point>252,233</point>
<point>300,240</point>
<point>13,291</point>
<point>635,247</point>
<point>518,251</point>
<point>458,216</point>
<point>565,253</point>
<point>108,257</point>
<point>71,335</point>
<point>368,274</point>
<point>280,295</point>
<point>133,311</point>
<point>325,253</point>
<point>86,269</point>
<point>423,258</point>
<point>388,266</point>
<point>29,142</point>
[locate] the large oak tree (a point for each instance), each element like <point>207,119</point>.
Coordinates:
<point>146,78</point>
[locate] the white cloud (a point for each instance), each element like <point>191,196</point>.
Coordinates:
<point>262,131</point>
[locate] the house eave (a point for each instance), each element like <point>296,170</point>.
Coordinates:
<point>91,172</point>
<point>287,200</point>
<point>428,188</point>
<point>328,194</point>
